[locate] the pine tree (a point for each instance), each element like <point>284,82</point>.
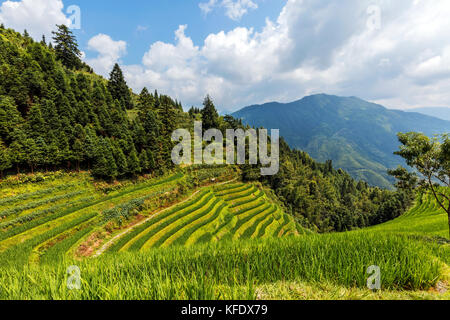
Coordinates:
<point>118,87</point>
<point>145,100</point>
<point>78,154</point>
<point>66,47</point>
<point>105,165</point>
<point>10,118</point>
<point>143,161</point>
<point>133,163</point>
<point>121,161</point>
<point>210,117</point>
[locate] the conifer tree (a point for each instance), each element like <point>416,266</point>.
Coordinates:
<point>133,163</point>
<point>121,161</point>
<point>145,100</point>
<point>210,117</point>
<point>143,161</point>
<point>118,87</point>
<point>66,47</point>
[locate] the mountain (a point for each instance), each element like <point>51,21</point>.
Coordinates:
<point>437,112</point>
<point>359,136</point>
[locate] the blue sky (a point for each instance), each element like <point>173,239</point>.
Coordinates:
<point>142,22</point>
<point>243,52</point>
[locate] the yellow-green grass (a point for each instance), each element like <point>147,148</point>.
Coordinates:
<point>19,242</point>
<point>426,218</point>
<point>235,270</point>
<point>163,234</point>
<point>240,213</point>
<point>228,233</point>
<point>183,233</point>
<point>143,234</point>
<point>210,227</point>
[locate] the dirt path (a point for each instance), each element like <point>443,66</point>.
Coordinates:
<point>120,235</point>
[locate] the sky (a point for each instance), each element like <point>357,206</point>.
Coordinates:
<point>244,52</point>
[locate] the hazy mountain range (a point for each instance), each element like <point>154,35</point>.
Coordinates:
<point>357,135</point>
<point>437,112</point>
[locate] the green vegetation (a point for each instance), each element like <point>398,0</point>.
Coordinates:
<point>358,136</point>
<point>54,114</point>
<point>155,231</point>
<point>228,232</point>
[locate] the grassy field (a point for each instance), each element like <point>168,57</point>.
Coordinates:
<point>152,239</point>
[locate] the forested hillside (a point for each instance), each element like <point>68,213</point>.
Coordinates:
<point>55,113</point>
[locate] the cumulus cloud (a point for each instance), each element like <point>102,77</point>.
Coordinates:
<point>313,46</point>
<point>234,9</point>
<point>39,17</point>
<point>108,51</point>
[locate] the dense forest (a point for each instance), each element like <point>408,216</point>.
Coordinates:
<point>55,113</point>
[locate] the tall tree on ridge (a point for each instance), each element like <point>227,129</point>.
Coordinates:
<point>66,47</point>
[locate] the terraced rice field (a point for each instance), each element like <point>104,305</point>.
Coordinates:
<point>50,218</point>
<point>54,219</point>
<point>228,212</point>
<point>426,218</point>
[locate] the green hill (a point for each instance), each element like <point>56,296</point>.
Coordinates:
<point>358,136</point>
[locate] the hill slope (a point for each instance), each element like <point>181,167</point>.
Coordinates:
<point>358,136</point>
<point>270,264</point>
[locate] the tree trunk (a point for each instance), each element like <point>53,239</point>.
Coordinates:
<point>448,214</point>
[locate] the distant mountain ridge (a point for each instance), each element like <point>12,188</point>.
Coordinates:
<point>437,112</point>
<point>357,135</point>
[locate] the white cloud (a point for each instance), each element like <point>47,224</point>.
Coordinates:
<point>313,46</point>
<point>109,53</point>
<point>39,17</point>
<point>234,9</point>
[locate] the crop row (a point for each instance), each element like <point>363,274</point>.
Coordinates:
<point>247,217</point>
<point>259,233</point>
<point>18,254</point>
<point>38,193</point>
<point>255,222</point>
<point>162,234</point>
<point>248,199</point>
<point>238,189</point>
<point>38,222</point>
<point>181,232</point>
<point>58,250</point>
<point>243,194</point>
<point>43,212</point>
<point>195,233</point>
<point>139,231</point>
<point>17,209</point>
